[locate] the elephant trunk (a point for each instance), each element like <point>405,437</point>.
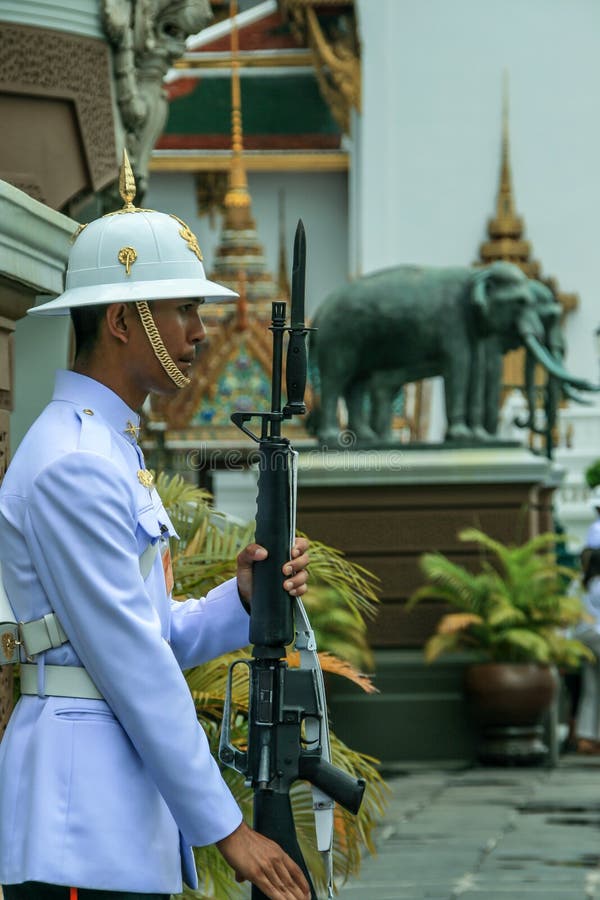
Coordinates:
<point>554,367</point>
<point>530,362</point>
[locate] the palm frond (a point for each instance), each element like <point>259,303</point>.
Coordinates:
<point>519,595</point>
<point>522,645</point>
<point>336,666</point>
<point>355,585</point>
<point>454,622</point>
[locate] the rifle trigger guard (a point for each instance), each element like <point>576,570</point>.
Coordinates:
<point>228,752</point>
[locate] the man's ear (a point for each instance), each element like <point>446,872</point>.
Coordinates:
<point>117,319</point>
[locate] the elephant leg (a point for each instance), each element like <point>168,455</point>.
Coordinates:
<point>356,401</point>
<point>484,389</point>
<point>382,413</point>
<point>385,388</point>
<point>493,381</point>
<point>456,384</point>
<point>331,390</point>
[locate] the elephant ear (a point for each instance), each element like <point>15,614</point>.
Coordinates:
<point>480,298</point>
<point>499,274</point>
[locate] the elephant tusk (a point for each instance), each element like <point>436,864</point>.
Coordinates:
<point>574,396</point>
<point>554,367</point>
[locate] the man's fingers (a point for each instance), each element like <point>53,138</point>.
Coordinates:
<point>252,553</point>
<point>297,572</point>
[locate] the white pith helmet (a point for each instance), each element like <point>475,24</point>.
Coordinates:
<point>133,254</point>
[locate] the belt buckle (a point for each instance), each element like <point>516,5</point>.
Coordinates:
<point>9,643</point>
<point>21,643</point>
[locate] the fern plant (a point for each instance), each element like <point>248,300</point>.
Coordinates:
<point>513,609</point>
<point>341,596</point>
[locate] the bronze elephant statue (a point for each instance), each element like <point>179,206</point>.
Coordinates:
<point>406,323</point>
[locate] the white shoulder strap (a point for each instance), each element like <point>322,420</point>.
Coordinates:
<point>41,634</point>
<point>6,613</point>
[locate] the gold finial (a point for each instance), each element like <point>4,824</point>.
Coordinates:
<point>237,196</point>
<point>282,280</point>
<point>506,228</point>
<point>127,187</point>
<point>505,208</point>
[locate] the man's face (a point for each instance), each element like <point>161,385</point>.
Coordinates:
<point>181,329</point>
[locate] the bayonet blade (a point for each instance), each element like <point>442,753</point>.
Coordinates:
<point>298,277</point>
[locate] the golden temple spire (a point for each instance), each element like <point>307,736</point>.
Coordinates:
<point>237,198</point>
<point>283,281</point>
<point>505,230</point>
<point>507,222</point>
<point>239,247</point>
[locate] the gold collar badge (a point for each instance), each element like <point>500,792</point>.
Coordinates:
<point>132,430</point>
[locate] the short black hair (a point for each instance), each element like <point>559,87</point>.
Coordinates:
<point>590,561</point>
<point>86,325</point>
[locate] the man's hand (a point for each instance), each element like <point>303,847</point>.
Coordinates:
<point>295,570</point>
<point>258,859</point>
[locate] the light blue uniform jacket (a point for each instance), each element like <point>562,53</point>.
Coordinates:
<point>106,795</point>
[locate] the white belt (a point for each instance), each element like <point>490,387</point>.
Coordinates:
<point>59,681</point>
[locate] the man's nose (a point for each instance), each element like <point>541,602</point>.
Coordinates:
<point>199,331</point>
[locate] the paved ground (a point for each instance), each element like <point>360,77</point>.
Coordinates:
<point>492,833</point>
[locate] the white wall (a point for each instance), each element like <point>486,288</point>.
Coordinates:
<point>41,347</point>
<point>320,200</point>
<point>78,16</point>
<point>431,127</point>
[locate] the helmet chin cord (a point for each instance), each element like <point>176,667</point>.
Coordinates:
<point>156,342</point>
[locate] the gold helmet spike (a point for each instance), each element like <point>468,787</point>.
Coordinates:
<point>127,187</point>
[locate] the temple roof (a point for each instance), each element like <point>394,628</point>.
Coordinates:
<point>295,71</point>
<point>234,370</point>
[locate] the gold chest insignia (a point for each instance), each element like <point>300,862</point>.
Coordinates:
<point>127,256</point>
<point>189,237</point>
<point>145,477</point>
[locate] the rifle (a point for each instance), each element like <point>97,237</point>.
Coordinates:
<point>288,734</point>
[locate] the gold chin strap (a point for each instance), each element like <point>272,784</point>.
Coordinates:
<point>156,342</point>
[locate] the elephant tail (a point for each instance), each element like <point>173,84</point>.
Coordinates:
<point>313,418</point>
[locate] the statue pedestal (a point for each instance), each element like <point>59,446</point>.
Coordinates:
<point>384,508</point>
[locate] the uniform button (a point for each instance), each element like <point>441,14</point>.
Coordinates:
<point>89,412</point>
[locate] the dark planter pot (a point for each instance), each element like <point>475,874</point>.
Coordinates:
<point>508,702</point>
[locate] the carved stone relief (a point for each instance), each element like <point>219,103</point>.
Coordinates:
<point>42,63</point>
<point>147,36</point>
